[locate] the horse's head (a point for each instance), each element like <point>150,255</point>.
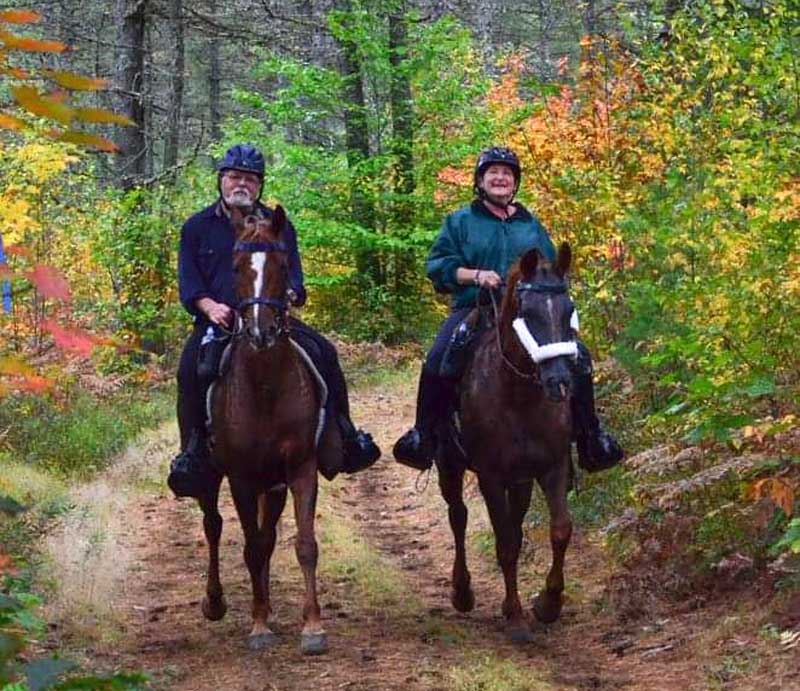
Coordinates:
<point>261,267</point>
<point>543,317</point>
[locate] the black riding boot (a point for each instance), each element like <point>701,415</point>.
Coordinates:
<point>359,449</point>
<point>192,473</point>
<point>454,360</point>
<point>417,446</point>
<point>597,449</point>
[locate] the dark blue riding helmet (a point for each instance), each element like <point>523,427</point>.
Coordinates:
<point>493,155</point>
<point>244,157</point>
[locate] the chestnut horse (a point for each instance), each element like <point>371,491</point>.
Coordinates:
<point>264,416</point>
<point>515,426</point>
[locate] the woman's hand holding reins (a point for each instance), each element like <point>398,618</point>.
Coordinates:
<point>483,278</point>
<point>488,279</point>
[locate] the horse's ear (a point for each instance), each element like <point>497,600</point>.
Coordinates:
<point>278,219</point>
<point>564,259</point>
<point>528,264</point>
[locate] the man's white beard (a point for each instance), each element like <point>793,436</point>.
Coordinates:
<point>239,198</point>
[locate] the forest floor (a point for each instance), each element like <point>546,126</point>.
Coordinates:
<point>385,557</point>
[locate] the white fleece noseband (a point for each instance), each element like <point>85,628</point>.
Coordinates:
<point>551,350</point>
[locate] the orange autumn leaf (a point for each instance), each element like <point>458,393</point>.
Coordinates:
<point>777,490</point>
<point>34,384</point>
<point>32,45</point>
<point>6,564</point>
<point>99,115</point>
<point>16,72</point>
<point>50,282</point>
<point>73,340</point>
<point>19,16</point>
<point>16,367</point>
<point>75,82</point>
<point>9,122</point>
<point>18,250</point>
<point>38,104</point>
<point>85,139</point>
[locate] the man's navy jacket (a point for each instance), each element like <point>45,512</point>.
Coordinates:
<point>205,259</point>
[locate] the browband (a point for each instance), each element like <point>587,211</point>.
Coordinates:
<point>253,247</point>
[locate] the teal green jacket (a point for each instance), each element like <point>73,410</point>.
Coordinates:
<point>475,238</point>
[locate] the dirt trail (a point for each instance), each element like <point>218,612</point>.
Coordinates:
<point>373,647</point>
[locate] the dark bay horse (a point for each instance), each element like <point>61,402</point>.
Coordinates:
<point>515,423</point>
<point>264,413</point>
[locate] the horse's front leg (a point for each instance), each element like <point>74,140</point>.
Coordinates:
<point>247,497</point>
<point>547,605</point>
<point>451,484</point>
<point>313,640</point>
<point>507,545</point>
<point>213,604</point>
<point>274,503</point>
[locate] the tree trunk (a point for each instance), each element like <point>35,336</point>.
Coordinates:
<point>357,142</point>
<point>129,85</point>
<point>214,78</point>
<point>402,142</point>
<point>176,97</point>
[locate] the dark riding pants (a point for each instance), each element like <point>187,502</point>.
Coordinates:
<point>192,388</point>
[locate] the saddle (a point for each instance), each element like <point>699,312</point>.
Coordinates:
<point>213,362</point>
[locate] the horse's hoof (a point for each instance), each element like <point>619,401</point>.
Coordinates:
<point>520,634</point>
<point>463,599</point>
<point>547,608</point>
<point>261,641</point>
<point>313,643</point>
<point>214,609</point>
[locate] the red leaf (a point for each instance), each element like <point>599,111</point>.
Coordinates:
<point>18,250</point>
<point>73,340</point>
<point>50,282</point>
<point>35,384</point>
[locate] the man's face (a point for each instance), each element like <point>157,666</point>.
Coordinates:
<point>240,189</point>
<point>498,183</point>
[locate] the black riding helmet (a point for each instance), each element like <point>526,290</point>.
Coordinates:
<point>493,155</point>
<point>243,157</point>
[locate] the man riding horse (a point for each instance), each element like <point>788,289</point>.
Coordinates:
<point>474,250</point>
<point>207,292</point>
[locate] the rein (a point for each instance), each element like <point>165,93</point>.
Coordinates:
<point>524,375</point>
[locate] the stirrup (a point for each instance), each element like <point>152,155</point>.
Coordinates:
<point>360,452</point>
<point>192,475</point>
<point>598,451</point>
<point>411,450</point>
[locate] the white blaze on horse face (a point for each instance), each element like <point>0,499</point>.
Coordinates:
<point>551,317</point>
<point>257,262</point>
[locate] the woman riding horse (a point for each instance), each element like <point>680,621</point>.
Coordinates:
<point>475,249</point>
<point>207,292</point>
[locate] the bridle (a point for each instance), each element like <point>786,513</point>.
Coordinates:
<point>537,353</point>
<point>280,305</point>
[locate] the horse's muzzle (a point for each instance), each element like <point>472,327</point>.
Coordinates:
<point>262,339</point>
